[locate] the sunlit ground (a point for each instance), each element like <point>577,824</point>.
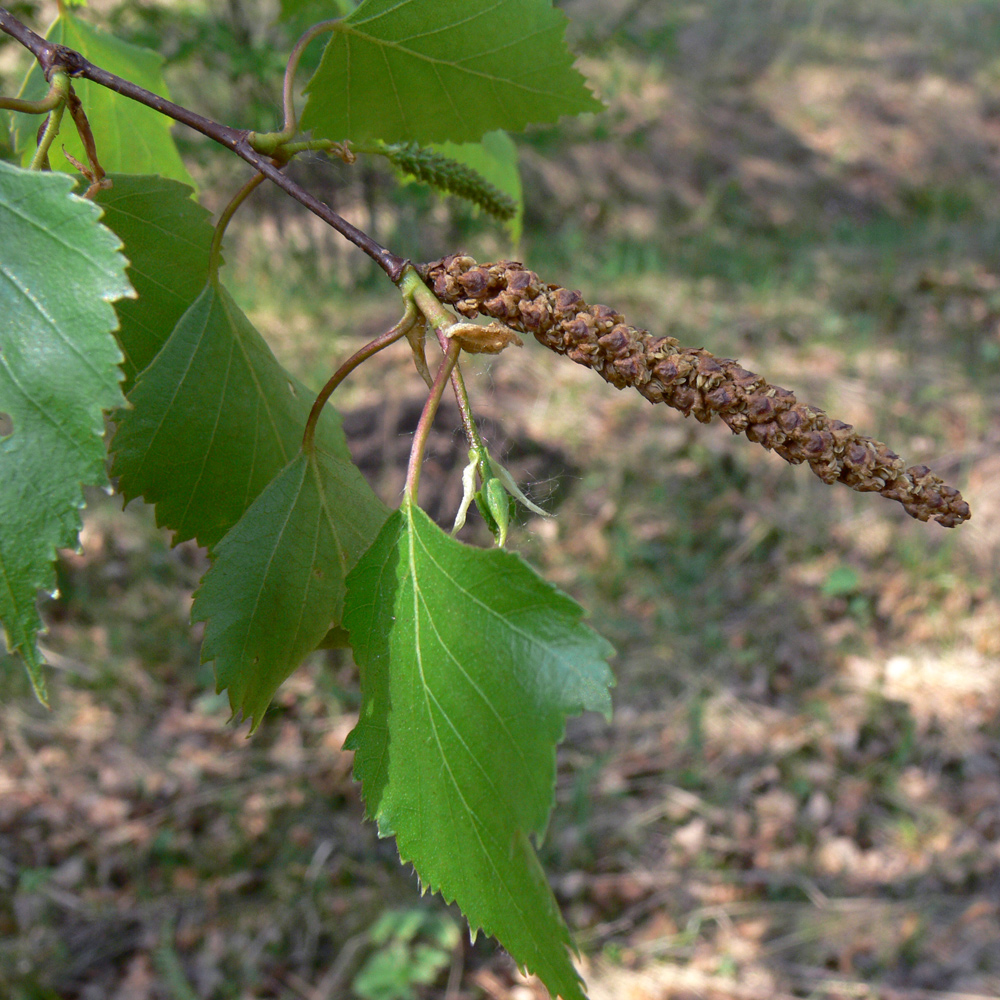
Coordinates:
<point>799,795</point>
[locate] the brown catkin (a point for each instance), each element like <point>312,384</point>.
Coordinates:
<point>691,380</point>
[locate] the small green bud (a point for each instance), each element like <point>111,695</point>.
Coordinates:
<point>497,502</point>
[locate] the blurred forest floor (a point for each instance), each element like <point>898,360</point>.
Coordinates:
<point>799,794</point>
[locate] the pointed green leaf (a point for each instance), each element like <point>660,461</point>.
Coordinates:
<point>214,418</point>
<point>277,579</point>
<point>470,664</point>
<point>59,272</point>
<point>452,70</point>
<point>130,138</point>
<point>166,237</point>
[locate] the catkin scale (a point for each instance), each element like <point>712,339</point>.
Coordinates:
<point>691,380</point>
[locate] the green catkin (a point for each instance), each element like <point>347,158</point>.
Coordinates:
<point>449,175</point>
<point>691,380</point>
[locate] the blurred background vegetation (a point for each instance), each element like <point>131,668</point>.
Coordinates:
<point>799,795</point>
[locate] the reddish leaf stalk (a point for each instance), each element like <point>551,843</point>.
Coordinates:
<point>371,348</point>
<point>215,254</point>
<point>94,172</point>
<point>288,89</point>
<point>427,418</point>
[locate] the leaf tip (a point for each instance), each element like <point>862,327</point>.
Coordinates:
<point>33,663</point>
<point>41,691</point>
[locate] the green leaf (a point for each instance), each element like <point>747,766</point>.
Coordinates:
<point>470,665</point>
<point>214,419</point>
<point>415,947</point>
<point>59,272</point>
<point>166,238</point>
<point>130,138</point>
<point>277,579</point>
<point>494,158</point>
<point>452,70</point>
<point>495,503</point>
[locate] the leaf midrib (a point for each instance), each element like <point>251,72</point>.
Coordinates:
<point>471,813</point>
<point>565,661</point>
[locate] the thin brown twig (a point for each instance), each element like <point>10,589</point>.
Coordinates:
<point>333,980</point>
<point>451,990</point>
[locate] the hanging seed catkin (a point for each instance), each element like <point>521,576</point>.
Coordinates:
<point>691,380</point>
